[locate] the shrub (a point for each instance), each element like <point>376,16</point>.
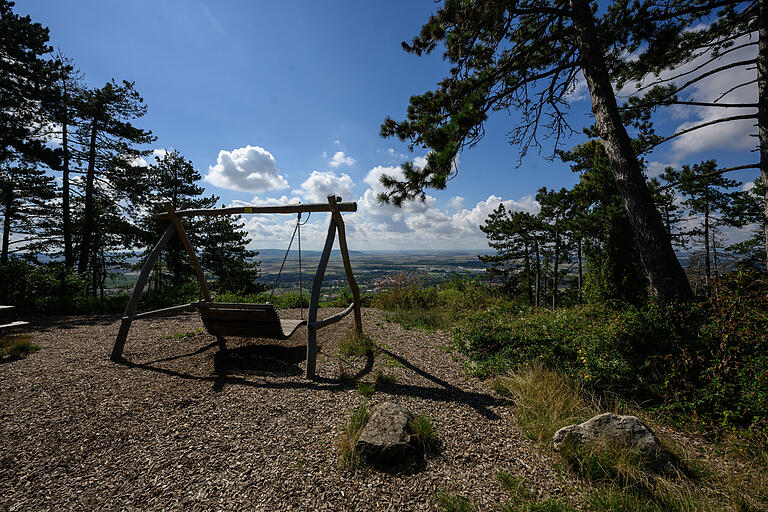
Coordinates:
<point>434,307</point>
<point>708,357</point>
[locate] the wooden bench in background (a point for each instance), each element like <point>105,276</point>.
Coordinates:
<point>6,325</point>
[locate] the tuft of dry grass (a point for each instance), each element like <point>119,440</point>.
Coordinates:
<point>356,345</point>
<point>545,401</point>
<point>349,456</point>
<point>13,347</point>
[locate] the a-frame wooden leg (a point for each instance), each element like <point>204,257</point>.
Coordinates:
<point>314,301</point>
<point>347,263</point>
<point>190,251</point>
<point>138,289</point>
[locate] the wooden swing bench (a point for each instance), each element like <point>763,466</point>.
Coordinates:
<point>250,320</point>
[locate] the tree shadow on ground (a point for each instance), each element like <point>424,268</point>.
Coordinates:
<point>234,367</point>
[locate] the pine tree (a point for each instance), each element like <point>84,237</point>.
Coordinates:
<point>613,270</point>
<point>226,256</point>
<point>25,84</point>
<point>515,237</point>
<point>25,198</point>
<point>107,140</point>
<point>526,57</point>
<point>173,181</point>
<point>710,197</point>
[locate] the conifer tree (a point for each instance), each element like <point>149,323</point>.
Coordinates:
<point>173,180</point>
<point>25,84</point>
<point>710,197</point>
<point>525,56</point>
<point>106,139</point>
<point>25,198</point>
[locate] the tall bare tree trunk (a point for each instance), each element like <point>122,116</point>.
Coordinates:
<point>85,241</point>
<point>66,215</point>
<point>7,224</point>
<point>555,279</point>
<point>762,114</point>
<point>665,274</point>
<point>528,272</point>
<point>580,269</point>
<point>538,271</point>
<point>707,265</point>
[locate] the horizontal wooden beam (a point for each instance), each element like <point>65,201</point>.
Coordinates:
<point>240,210</point>
<point>12,325</point>
<point>332,319</point>
<point>156,312</point>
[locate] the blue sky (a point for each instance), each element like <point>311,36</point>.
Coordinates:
<point>293,94</point>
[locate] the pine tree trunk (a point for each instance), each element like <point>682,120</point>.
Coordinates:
<point>7,213</point>
<point>762,115</point>
<point>666,276</point>
<point>707,269</point>
<point>66,216</point>
<point>580,268</point>
<point>555,279</point>
<point>538,271</point>
<point>528,273</point>
<point>85,242</point>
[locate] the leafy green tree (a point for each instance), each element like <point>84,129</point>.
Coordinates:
<point>26,194</point>
<point>710,31</point>
<point>525,57</point>
<point>748,210</point>
<point>67,102</point>
<point>613,270</point>
<point>555,209</point>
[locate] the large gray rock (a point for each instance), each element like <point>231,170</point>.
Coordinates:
<point>386,438</point>
<point>612,428</point>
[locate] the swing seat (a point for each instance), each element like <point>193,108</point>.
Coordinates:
<point>246,320</point>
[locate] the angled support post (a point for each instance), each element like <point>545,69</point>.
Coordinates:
<point>314,301</point>
<point>138,289</point>
<point>190,251</point>
<point>347,263</point>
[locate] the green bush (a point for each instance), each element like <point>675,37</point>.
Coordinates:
<point>708,357</point>
<point>435,307</point>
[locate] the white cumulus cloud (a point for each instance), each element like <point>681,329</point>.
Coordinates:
<point>320,185</point>
<point>339,158</point>
<point>248,169</point>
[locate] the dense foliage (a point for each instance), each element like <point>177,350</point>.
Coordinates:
<point>709,357</point>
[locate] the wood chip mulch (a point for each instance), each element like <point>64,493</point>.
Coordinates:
<point>184,427</point>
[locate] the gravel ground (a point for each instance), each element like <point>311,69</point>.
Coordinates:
<point>181,427</point>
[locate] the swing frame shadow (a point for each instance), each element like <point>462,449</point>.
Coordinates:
<point>334,207</point>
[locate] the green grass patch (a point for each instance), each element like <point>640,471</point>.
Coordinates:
<point>434,307</point>
<point>13,347</point>
<point>451,502</point>
<point>365,388</point>
<point>349,456</point>
<point>356,345</point>
<point>424,433</point>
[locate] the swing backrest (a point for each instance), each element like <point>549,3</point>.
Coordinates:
<point>246,320</point>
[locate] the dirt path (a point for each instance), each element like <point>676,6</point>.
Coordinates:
<point>184,428</point>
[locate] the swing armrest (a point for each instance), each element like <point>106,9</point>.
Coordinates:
<point>332,319</point>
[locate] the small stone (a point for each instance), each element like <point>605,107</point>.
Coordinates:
<point>386,438</point>
<point>627,430</point>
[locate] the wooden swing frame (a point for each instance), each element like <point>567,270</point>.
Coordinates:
<point>334,206</point>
